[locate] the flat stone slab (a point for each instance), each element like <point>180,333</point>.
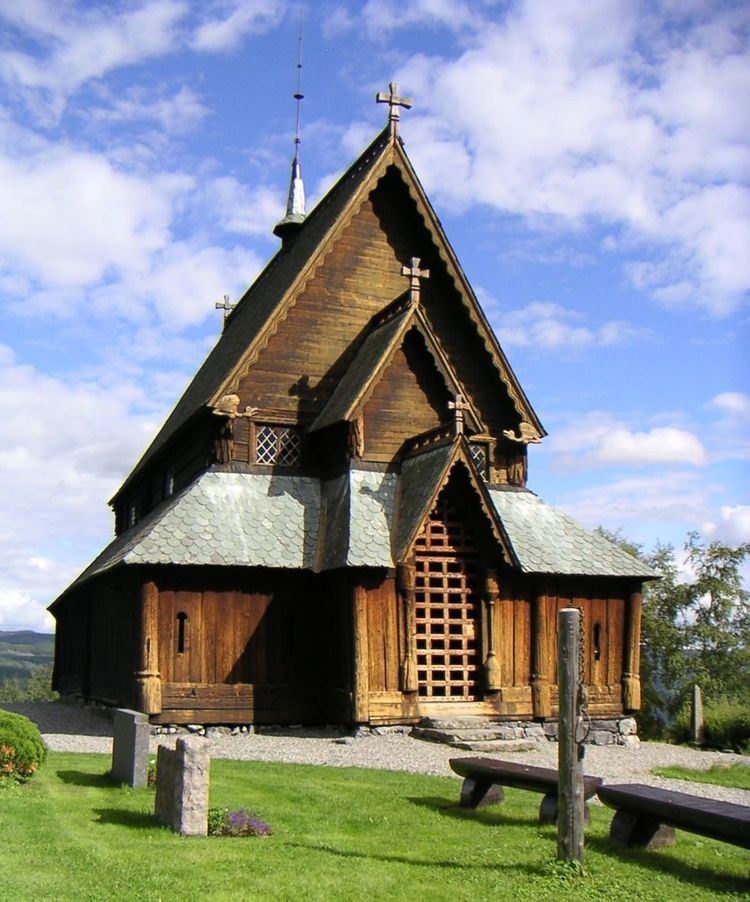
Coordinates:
<point>498,746</point>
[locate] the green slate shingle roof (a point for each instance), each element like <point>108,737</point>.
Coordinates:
<point>352,520</point>
<point>547,541</point>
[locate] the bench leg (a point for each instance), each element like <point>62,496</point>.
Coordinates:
<point>478,793</point>
<point>548,810</point>
<point>629,829</point>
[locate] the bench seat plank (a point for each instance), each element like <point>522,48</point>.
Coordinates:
<point>518,776</point>
<point>725,821</point>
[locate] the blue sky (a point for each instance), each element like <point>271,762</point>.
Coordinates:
<point>589,162</point>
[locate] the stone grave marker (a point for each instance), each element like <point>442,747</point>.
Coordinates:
<point>182,786</point>
<point>131,730</point>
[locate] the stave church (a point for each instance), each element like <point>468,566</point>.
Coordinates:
<point>334,524</point>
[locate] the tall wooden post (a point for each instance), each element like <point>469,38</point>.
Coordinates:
<point>631,676</point>
<point>406,582</point>
<point>492,680</point>
<point>361,645</point>
<point>147,676</point>
<point>540,659</point>
<point>570,810</point>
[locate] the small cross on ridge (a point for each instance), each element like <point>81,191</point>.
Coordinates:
<point>394,102</point>
<point>415,274</point>
<point>225,306</point>
<point>458,407</point>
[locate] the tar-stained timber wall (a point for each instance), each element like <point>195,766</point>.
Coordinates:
<point>95,640</point>
<point>603,603</point>
<point>255,645</point>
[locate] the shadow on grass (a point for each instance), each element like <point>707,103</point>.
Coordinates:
<point>491,816</point>
<point>137,820</point>
<point>83,778</point>
<point>695,875</point>
<point>416,862</point>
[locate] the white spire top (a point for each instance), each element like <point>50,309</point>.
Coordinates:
<point>295,204</point>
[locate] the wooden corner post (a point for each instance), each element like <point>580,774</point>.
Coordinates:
<point>492,680</point>
<point>147,676</point>
<point>631,671</point>
<point>570,808</point>
<point>540,638</point>
<point>361,645</point>
<point>406,582</point>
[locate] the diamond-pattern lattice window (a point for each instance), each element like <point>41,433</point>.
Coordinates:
<point>478,453</point>
<point>281,445</point>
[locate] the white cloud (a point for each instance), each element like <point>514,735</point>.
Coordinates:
<point>734,403</point>
<point>243,210</point>
<point>86,43</point>
<point>551,326</point>
<point>732,525</point>
<point>232,20</point>
<point>176,114</point>
<point>66,445</point>
<point>600,440</point>
<point>566,112</point>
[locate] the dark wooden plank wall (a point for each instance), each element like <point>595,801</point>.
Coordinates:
<point>358,278</point>
<point>259,645</point>
<point>409,399</point>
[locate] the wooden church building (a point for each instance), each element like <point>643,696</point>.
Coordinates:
<point>333,525</point>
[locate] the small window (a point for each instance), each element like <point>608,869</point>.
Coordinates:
<point>479,457</point>
<point>169,483</point>
<point>132,514</point>
<point>280,445</point>
<point>181,632</point>
<point>597,641</point>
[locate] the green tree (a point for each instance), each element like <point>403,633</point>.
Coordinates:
<point>694,631</point>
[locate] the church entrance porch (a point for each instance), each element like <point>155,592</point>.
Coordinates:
<point>447,608</point>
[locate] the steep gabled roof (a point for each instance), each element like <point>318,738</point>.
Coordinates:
<point>266,302</point>
<point>372,359</point>
<point>422,478</point>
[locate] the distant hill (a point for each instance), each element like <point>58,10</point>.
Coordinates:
<point>21,651</point>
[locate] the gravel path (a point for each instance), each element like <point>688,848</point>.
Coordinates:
<point>68,728</point>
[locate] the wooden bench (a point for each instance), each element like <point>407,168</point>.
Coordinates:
<point>647,815</point>
<point>485,777</point>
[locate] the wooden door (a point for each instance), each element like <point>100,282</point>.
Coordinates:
<point>447,607</point>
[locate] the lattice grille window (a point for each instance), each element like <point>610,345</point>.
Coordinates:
<point>280,445</point>
<point>479,456</point>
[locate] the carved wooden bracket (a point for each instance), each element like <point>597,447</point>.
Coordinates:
<point>406,585</point>
<point>492,675</point>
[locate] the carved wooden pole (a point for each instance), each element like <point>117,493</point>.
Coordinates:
<point>406,582</point>
<point>492,678</point>
<point>570,809</point>
<point>361,644</point>
<point>631,677</point>
<point>540,663</point>
<point>147,677</point>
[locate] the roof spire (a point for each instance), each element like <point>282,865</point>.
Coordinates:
<point>295,204</point>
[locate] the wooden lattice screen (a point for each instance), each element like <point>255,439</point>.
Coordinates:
<point>447,607</point>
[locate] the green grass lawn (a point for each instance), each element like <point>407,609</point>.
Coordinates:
<point>736,776</point>
<point>338,834</point>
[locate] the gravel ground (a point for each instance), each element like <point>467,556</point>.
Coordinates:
<point>68,728</point>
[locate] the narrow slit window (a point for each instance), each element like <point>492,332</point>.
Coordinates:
<point>181,632</point>
<point>597,641</point>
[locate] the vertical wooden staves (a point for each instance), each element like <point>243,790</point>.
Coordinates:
<point>361,655</point>
<point>631,677</point>
<point>147,676</point>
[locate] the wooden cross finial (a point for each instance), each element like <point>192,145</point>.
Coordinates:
<point>225,306</point>
<point>458,407</point>
<point>394,102</point>
<point>415,274</point>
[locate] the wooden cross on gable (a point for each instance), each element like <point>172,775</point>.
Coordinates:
<point>458,407</point>
<point>394,102</point>
<point>415,274</point>
<point>225,306</point>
